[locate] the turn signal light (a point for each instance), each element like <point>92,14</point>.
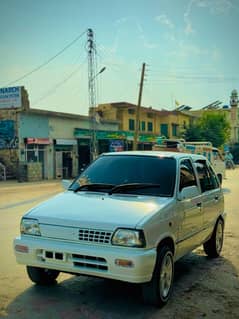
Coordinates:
<point>21,249</point>
<point>124,263</point>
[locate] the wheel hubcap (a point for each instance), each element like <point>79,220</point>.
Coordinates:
<point>219,237</point>
<point>166,275</point>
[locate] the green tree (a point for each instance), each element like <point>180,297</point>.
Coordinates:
<point>212,127</point>
<point>193,133</point>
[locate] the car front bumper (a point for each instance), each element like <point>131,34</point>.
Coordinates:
<point>120,263</point>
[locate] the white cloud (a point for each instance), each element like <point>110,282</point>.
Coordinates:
<point>186,50</point>
<point>134,21</point>
<point>146,43</point>
<point>215,6</point>
<point>121,20</point>
<point>164,20</point>
<point>187,18</point>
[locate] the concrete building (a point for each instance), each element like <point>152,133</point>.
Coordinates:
<point>153,123</point>
<point>36,144</point>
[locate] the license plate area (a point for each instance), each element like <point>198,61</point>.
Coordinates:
<point>54,256</point>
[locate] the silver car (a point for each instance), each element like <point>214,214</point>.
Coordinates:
<point>128,216</point>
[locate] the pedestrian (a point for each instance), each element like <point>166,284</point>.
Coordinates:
<point>229,160</point>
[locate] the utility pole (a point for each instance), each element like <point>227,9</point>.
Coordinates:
<point>137,122</point>
<point>92,91</point>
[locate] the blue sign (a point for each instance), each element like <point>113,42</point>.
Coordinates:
<point>10,97</point>
<point>116,146</point>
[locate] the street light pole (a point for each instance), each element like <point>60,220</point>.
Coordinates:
<point>92,74</point>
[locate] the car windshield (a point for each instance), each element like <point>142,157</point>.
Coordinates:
<point>147,175</point>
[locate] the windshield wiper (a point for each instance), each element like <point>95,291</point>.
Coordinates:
<point>133,186</point>
<point>93,187</point>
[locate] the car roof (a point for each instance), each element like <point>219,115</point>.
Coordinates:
<point>176,155</point>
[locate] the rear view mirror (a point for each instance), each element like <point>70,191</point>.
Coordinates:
<point>219,176</point>
<point>188,192</point>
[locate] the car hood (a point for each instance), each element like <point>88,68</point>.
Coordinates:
<point>88,209</point>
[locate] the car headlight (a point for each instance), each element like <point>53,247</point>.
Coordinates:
<point>30,226</point>
<point>129,238</point>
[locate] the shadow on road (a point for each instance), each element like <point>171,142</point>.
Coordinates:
<point>198,293</point>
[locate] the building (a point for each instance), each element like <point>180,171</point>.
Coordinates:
<point>153,123</point>
<point>36,144</point>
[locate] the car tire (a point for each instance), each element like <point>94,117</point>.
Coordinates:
<point>213,246</point>
<point>42,276</point>
<point>157,292</point>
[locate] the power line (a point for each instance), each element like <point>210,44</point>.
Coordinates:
<point>59,84</point>
<point>47,61</point>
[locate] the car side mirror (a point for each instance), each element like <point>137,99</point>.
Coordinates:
<point>66,183</point>
<point>188,192</point>
<point>219,176</point>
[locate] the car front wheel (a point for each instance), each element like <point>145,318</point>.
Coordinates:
<point>42,276</point>
<point>158,290</point>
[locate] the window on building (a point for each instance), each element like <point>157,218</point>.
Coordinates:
<point>143,125</point>
<point>131,124</point>
<point>150,127</point>
<point>35,152</point>
<point>131,111</point>
<point>175,129</point>
<point>164,130</point>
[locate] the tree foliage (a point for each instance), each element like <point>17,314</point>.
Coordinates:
<point>212,127</point>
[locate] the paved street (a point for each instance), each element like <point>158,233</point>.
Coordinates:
<point>204,288</point>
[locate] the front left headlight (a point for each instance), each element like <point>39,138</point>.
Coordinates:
<point>129,238</point>
<point>30,226</point>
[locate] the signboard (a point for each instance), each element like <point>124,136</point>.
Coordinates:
<point>10,97</point>
<point>8,139</point>
<point>32,140</point>
<point>116,146</point>
<point>61,141</point>
<point>115,135</point>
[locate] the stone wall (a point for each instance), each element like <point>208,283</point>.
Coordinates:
<point>30,172</point>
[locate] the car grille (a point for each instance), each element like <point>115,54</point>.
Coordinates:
<point>79,261</point>
<point>84,261</point>
<point>95,236</point>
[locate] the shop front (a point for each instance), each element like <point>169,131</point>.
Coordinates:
<point>65,158</point>
<point>109,141</point>
<point>36,154</point>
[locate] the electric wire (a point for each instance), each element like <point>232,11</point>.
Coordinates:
<point>47,61</point>
<point>59,84</point>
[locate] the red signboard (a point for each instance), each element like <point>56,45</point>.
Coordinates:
<point>32,140</point>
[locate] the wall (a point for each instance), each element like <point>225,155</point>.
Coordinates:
<point>33,125</point>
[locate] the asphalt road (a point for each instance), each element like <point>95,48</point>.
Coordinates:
<point>203,288</point>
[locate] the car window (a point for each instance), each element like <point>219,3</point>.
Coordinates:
<point>128,169</point>
<point>187,175</point>
<point>207,177</point>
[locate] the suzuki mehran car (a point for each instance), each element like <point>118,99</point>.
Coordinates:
<point>128,216</point>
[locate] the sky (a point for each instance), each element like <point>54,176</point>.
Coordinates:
<point>190,48</point>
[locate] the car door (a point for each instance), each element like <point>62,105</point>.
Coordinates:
<point>212,196</point>
<point>191,213</point>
